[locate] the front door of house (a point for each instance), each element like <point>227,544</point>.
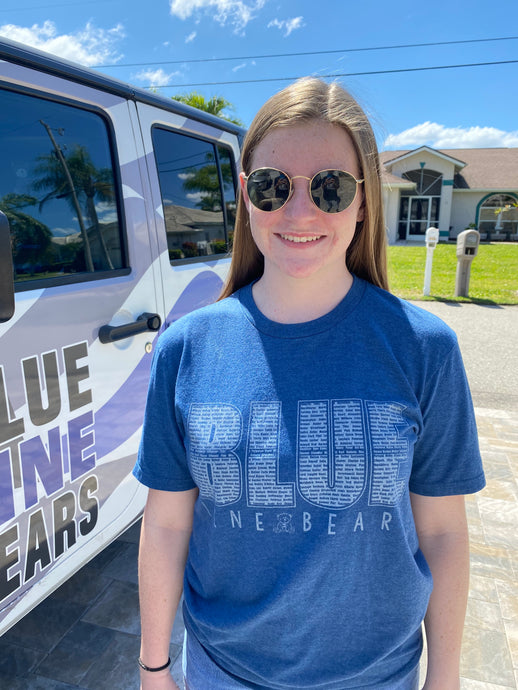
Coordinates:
<point>416,214</point>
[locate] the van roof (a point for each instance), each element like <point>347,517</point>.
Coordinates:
<point>37,59</point>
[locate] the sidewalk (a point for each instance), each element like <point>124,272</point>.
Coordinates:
<point>86,635</point>
<point>490,650</point>
<point>490,647</point>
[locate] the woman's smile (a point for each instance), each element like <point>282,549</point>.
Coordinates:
<point>301,239</point>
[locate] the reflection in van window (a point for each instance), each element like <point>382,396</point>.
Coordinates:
<point>57,189</point>
<point>198,194</point>
<point>229,190</point>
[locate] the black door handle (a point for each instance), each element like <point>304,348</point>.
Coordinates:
<point>145,322</point>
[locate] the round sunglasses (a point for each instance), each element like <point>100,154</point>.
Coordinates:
<point>332,191</point>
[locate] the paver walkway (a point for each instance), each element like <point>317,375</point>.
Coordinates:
<point>490,645</point>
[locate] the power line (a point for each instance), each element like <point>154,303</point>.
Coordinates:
<point>313,52</point>
<point>61,4</point>
<point>333,76</point>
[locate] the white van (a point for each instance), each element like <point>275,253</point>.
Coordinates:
<point>117,209</point>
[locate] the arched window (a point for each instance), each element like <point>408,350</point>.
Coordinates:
<point>419,208</point>
<point>498,214</point>
<point>428,182</point>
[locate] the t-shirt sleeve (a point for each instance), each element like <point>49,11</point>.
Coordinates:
<point>446,455</point>
<point>161,462</point>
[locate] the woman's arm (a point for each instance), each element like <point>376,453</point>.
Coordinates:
<point>443,538</point>
<point>164,543</point>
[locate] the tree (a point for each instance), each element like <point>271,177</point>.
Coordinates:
<point>507,207</point>
<point>30,239</point>
<point>75,178</point>
<point>499,213</point>
<point>215,105</point>
<point>205,179</point>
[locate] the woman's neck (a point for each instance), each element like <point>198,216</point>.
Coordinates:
<point>296,300</point>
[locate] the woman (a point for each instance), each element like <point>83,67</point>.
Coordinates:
<point>308,439</point>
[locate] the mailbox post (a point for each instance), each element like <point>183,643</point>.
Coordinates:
<point>467,249</point>
<point>431,238</point>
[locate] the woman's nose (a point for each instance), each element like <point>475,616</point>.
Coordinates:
<point>300,202</point>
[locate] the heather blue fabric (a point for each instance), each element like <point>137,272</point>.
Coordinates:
<point>200,672</point>
<point>304,440</point>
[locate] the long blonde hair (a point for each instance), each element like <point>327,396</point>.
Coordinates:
<point>305,100</point>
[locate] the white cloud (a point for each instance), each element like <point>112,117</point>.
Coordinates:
<point>191,37</point>
<point>64,232</point>
<point>156,77</point>
<point>441,137</point>
<point>106,212</point>
<point>238,67</point>
<point>236,12</point>
<point>89,46</point>
<point>288,25</point>
<point>196,197</point>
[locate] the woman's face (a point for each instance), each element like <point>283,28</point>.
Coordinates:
<point>299,240</point>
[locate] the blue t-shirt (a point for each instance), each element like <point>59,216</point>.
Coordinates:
<point>304,440</point>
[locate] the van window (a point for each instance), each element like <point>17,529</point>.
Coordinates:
<point>57,189</point>
<point>198,194</point>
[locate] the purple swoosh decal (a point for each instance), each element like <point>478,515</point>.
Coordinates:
<point>122,415</point>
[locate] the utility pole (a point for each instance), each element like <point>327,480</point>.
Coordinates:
<point>75,200</point>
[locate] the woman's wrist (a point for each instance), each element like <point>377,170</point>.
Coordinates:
<point>154,669</point>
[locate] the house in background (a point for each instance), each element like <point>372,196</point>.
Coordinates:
<point>451,190</point>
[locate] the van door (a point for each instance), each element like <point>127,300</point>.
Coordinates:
<point>192,172</point>
<point>75,355</point>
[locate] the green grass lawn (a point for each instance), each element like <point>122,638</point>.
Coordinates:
<point>494,273</point>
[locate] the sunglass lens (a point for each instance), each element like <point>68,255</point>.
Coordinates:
<point>268,189</point>
<point>333,190</point>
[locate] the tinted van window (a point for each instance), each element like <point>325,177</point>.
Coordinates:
<point>198,194</point>
<point>57,189</point>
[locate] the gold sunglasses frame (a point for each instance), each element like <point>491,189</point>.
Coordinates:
<point>310,180</point>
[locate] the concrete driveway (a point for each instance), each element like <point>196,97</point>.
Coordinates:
<point>488,338</point>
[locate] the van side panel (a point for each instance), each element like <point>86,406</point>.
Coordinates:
<point>178,278</point>
<point>71,407</point>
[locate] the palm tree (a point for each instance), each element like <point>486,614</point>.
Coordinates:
<point>215,105</point>
<point>205,179</point>
<point>75,177</point>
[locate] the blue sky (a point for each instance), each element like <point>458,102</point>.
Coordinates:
<point>156,42</point>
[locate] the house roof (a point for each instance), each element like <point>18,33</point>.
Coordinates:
<point>395,181</point>
<point>400,155</point>
<point>484,168</point>
<point>191,219</point>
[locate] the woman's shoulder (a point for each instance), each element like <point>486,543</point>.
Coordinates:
<point>200,322</point>
<point>406,320</point>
